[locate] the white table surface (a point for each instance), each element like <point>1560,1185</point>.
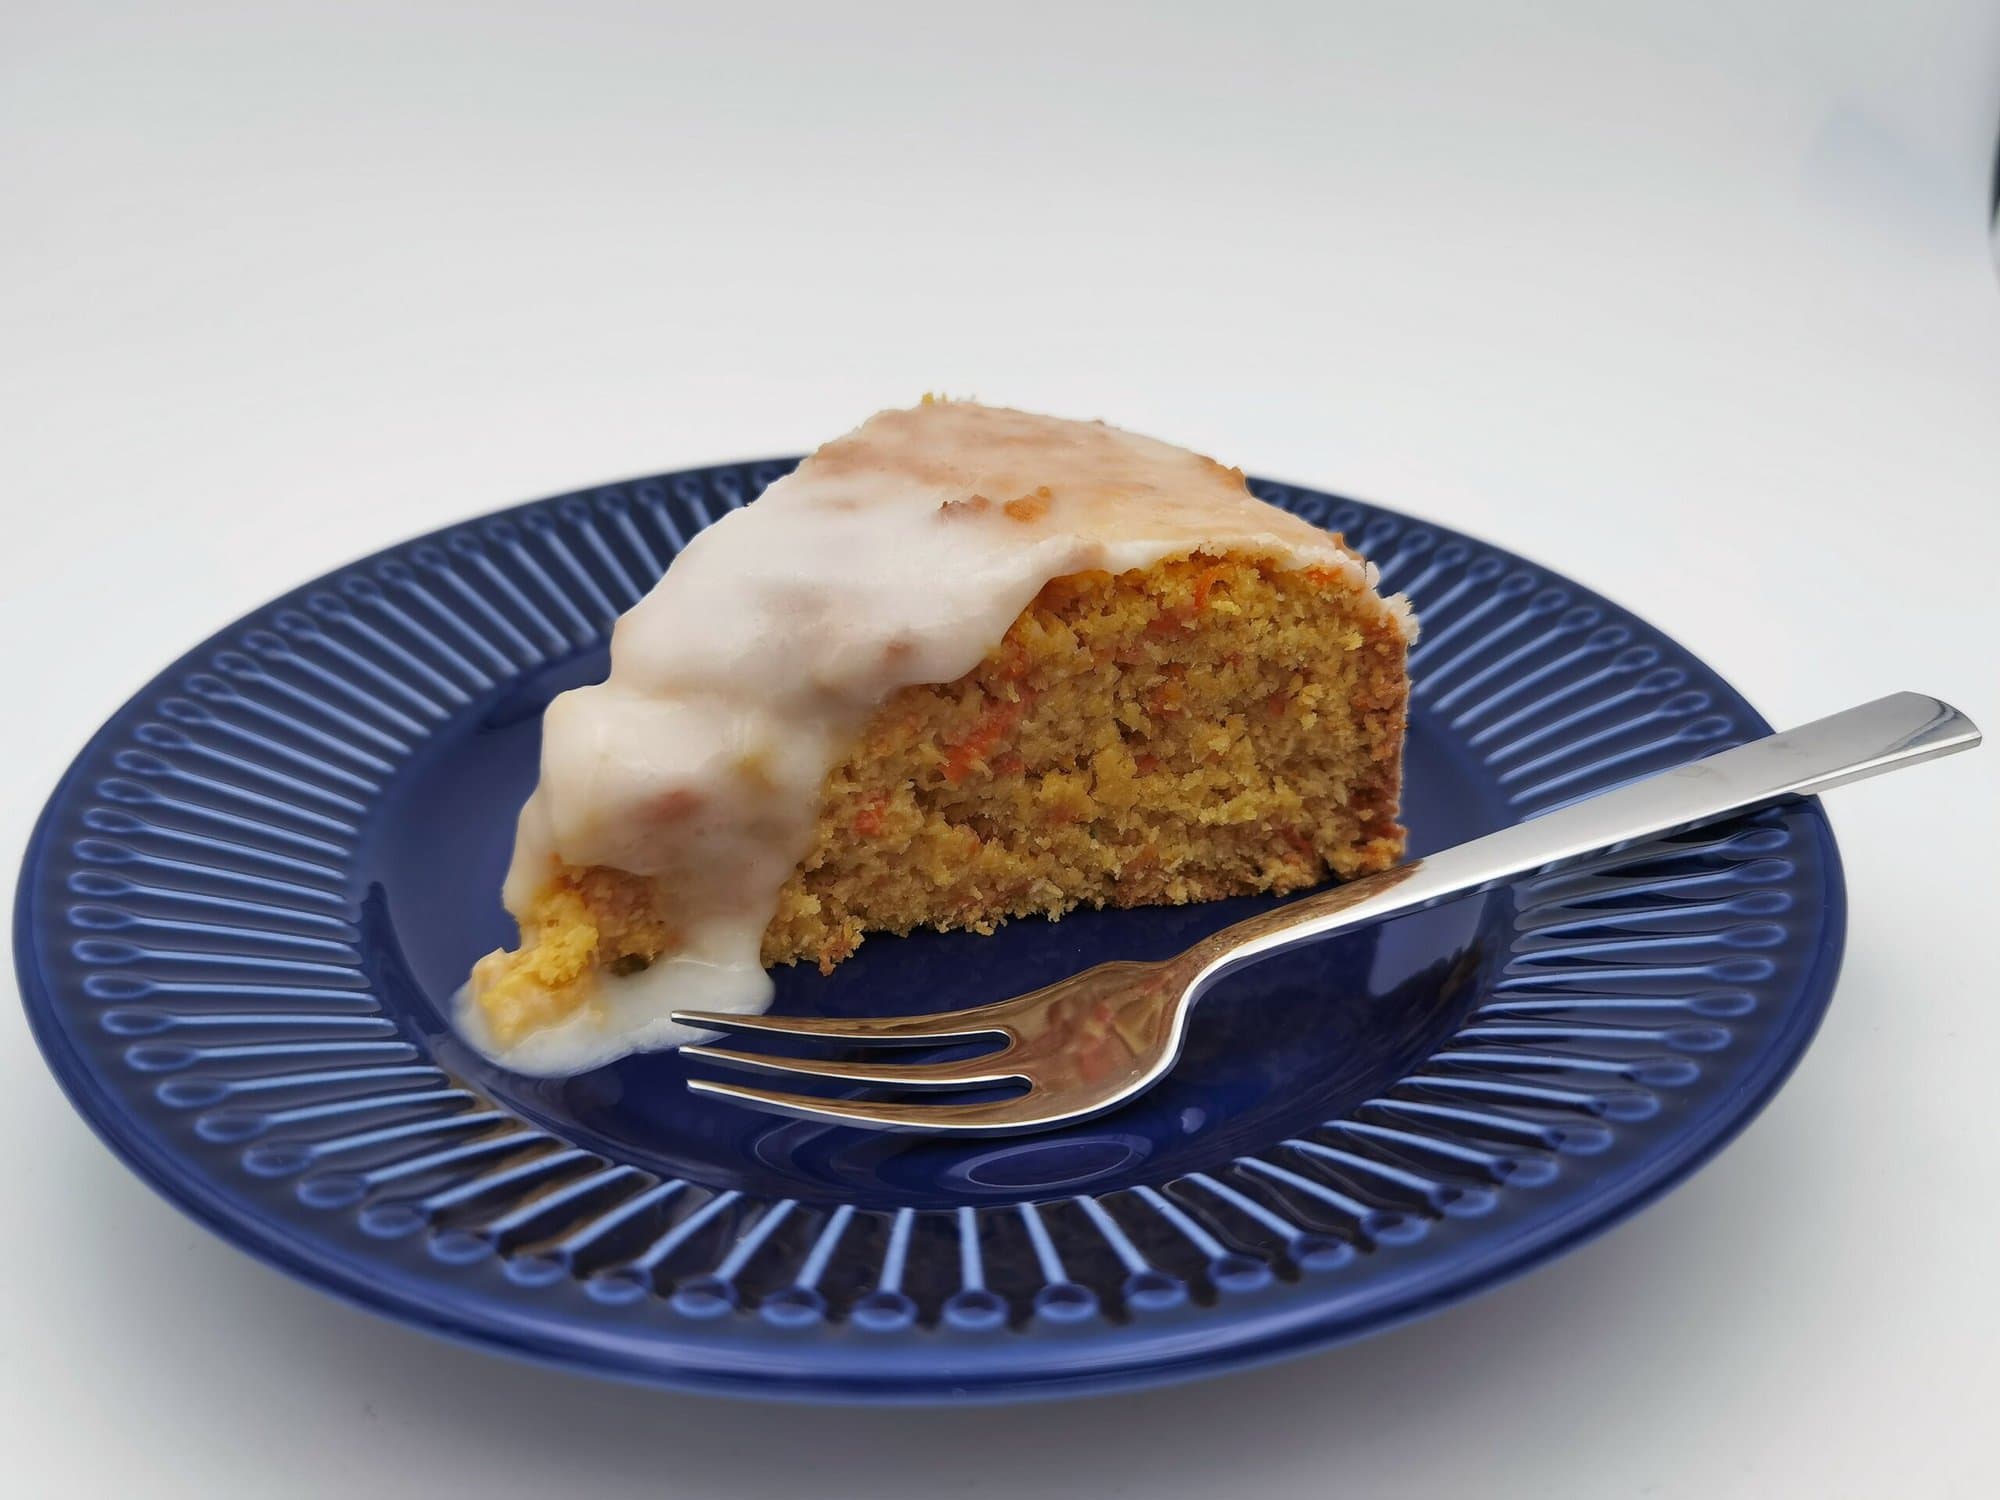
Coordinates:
<point>1692,302</point>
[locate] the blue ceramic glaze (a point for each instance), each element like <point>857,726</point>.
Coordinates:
<point>247,905</point>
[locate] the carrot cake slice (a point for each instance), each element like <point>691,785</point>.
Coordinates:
<point>964,664</point>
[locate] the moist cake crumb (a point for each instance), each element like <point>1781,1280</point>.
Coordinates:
<point>1180,733</point>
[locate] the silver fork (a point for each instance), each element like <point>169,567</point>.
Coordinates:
<point>1089,1043</point>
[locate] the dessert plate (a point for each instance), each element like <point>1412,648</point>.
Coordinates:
<point>247,905</point>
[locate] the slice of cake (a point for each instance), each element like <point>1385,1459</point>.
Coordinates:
<point>965,664</point>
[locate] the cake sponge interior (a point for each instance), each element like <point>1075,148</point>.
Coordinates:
<point>1205,727</point>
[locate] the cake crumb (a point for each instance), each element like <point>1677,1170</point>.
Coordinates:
<point>1030,507</point>
<point>1123,745</point>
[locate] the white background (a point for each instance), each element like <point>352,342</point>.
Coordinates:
<point>1690,301</point>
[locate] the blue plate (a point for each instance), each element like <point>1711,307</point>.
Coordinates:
<point>247,904</point>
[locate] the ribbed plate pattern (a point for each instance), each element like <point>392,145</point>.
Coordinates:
<point>235,951</point>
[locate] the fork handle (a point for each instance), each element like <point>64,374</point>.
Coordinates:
<point>1900,730</point>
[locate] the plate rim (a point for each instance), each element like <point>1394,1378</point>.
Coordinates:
<point>1292,1332</point>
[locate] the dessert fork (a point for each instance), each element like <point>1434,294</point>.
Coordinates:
<point>1090,1042</point>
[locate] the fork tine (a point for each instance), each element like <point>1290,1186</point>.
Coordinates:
<point>961,1071</point>
<point>867,1030</point>
<point>964,1119</point>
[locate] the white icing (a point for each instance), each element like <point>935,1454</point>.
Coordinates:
<point>889,558</point>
